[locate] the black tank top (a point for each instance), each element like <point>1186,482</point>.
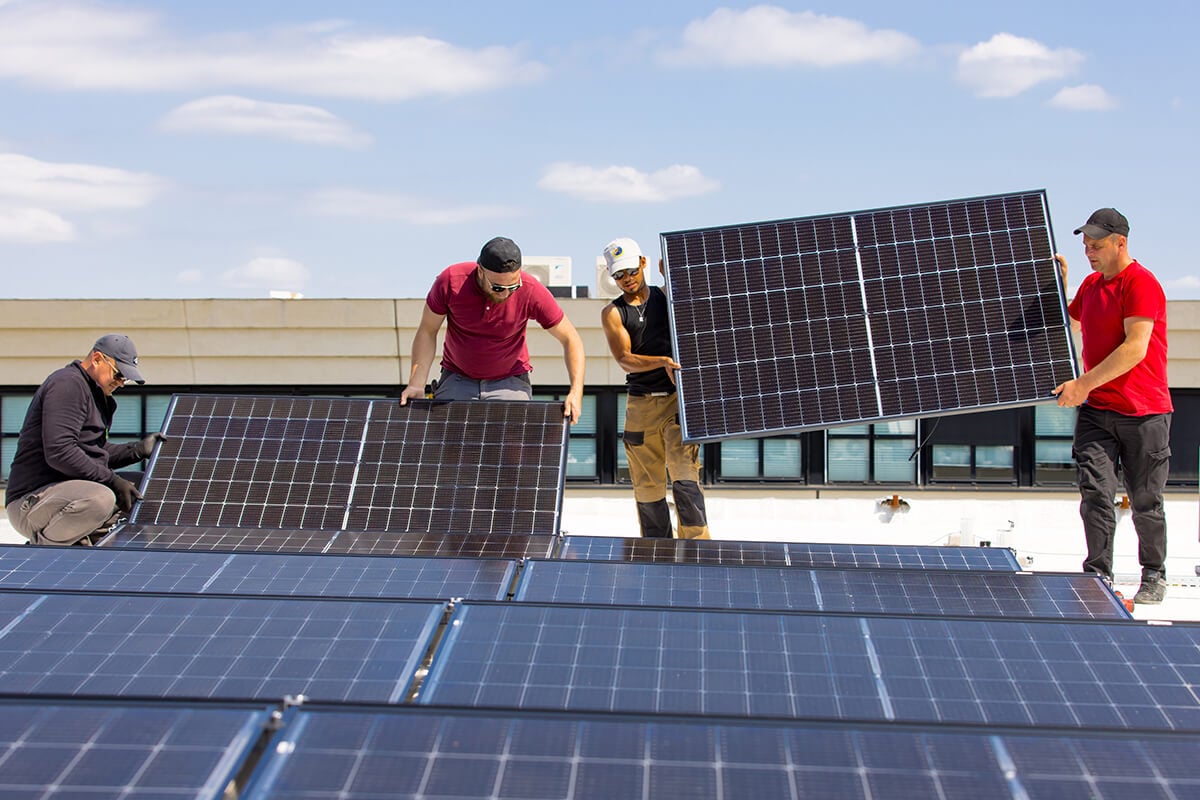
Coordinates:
<point>649,326</point>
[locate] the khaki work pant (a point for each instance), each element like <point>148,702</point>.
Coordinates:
<point>655,450</point>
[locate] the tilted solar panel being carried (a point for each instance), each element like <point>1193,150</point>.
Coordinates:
<point>326,464</point>
<point>102,569</point>
<point>411,752</point>
<point>891,313</point>
<point>788,554</point>
<point>865,591</point>
<point>1079,674</point>
<point>97,750</point>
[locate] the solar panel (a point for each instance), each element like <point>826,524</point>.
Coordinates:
<point>109,645</point>
<point>372,543</point>
<point>402,752</point>
<point>89,750</point>
<point>889,313</point>
<point>920,670</point>
<point>328,464</point>
<point>997,594</point>
<point>129,571</point>
<point>795,554</point>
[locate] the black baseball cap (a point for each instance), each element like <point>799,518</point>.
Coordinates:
<point>500,255</point>
<point>1104,222</point>
<point>120,349</point>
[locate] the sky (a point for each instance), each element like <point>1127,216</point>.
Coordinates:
<point>354,149</point>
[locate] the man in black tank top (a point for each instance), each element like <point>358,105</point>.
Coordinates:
<point>638,328</point>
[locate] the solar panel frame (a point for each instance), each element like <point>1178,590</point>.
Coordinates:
<point>325,753</point>
<point>328,464</point>
<point>365,543</point>
<point>854,591</point>
<point>197,647</point>
<point>96,749</point>
<point>1036,673</point>
<point>252,574</point>
<point>793,554</point>
<point>887,313</point>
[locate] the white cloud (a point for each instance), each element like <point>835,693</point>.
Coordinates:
<point>80,45</point>
<point>241,116</point>
<point>266,272</point>
<point>1085,97</point>
<point>400,207</point>
<point>67,186</point>
<point>773,36</point>
<point>1186,282</point>
<point>626,184</point>
<point>1006,65</point>
<point>34,226</point>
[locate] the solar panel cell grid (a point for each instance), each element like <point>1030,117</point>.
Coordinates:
<point>871,315</point>
<point>993,672</point>
<point>104,751</point>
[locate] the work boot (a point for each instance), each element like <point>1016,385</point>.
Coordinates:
<point>1153,589</point>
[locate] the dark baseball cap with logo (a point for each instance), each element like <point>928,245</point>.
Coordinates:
<point>120,349</point>
<point>500,255</point>
<point>1104,222</point>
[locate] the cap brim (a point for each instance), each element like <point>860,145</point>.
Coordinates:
<point>131,372</point>
<point>621,264</point>
<point>1093,231</point>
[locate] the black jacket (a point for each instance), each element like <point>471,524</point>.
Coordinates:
<point>65,436</point>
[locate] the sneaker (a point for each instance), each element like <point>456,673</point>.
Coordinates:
<point>1153,589</point>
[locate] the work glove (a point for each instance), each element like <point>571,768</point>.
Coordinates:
<point>145,447</point>
<point>126,493</point>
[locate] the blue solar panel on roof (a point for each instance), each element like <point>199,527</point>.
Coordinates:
<point>795,554</point>
<point>433,753</point>
<point>890,313</point>
<point>992,672</point>
<point>91,750</point>
<point>210,647</point>
<point>997,594</point>
<point>128,571</point>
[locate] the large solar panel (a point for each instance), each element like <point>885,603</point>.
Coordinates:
<point>129,571</point>
<point>889,313</point>
<point>109,645</point>
<point>90,750</point>
<point>404,753</point>
<point>905,669</point>
<point>368,543</point>
<point>788,554</point>
<point>330,464</point>
<point>996,594</point>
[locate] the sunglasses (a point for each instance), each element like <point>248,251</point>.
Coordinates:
<point>117,376</point>
<point>621,275</point>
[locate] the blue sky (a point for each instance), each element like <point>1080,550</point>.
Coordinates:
<point>354,149</point>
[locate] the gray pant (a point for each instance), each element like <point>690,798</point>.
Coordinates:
<point>62,513</point>
<point>452,386</point>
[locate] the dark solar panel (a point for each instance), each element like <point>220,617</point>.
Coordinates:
<point>371,543</point>
<point>890,313</point>
<point>127,571</point>
<point>794,554</point>
<point>210,647</point>
<point>494,467</point>
<point>406,753</point>
<point>997,594</point>
<point>86,750</point>
<point>329,464</point>
<point>993,672</point>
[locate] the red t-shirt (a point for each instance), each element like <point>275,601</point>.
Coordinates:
<point>1102,306</point>
<point>485,341</point>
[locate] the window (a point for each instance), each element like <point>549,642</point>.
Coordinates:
<point>974,463</point>
<point>775,457</point>
<point>581,441</point>
<point>12,416</point>
<point>876,453</point>
<point>1054,430</point>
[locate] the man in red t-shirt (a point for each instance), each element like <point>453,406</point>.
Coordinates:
<point>1125,405</point>
<point>489,307</point>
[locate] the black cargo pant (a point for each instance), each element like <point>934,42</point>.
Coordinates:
<point>1141,446</point>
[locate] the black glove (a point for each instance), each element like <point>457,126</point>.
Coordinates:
<point>126,493</point>
<point>145,447</point>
